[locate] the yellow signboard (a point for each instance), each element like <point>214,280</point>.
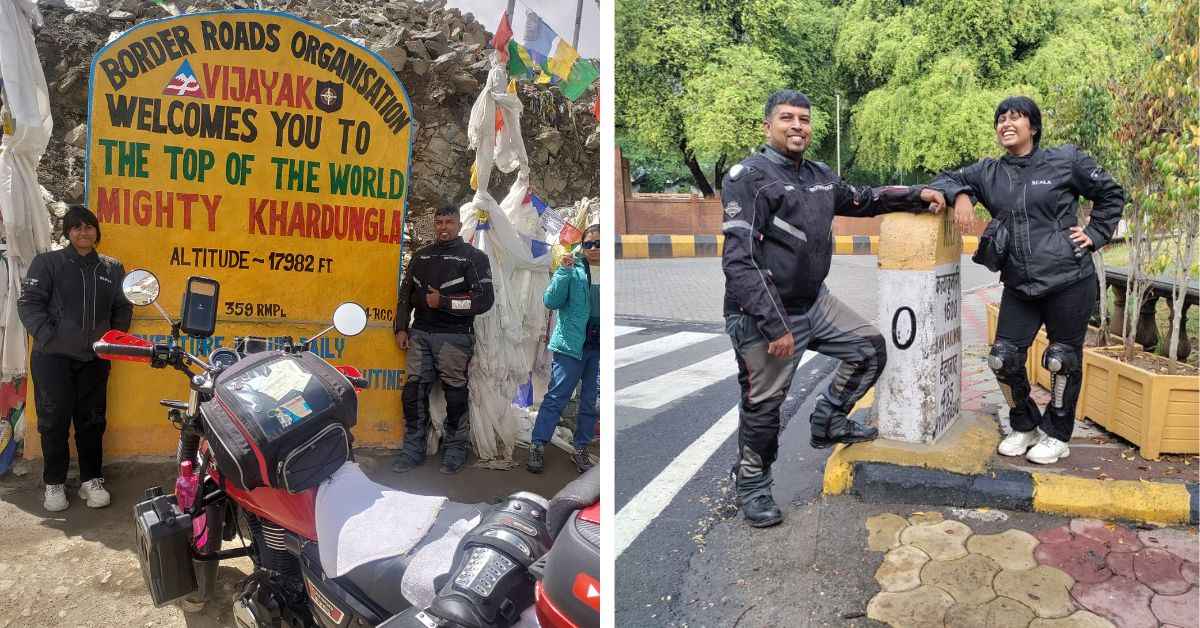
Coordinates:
<point>267,153</point>
<point>255,148</point>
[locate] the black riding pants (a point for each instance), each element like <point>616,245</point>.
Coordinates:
<point>70,391</point>
<point>1065,314</point>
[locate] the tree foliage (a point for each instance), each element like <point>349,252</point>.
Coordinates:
<point>921,78</point>
<point>931,73</point>
<point>692,76</point>
<point>1158,135</point>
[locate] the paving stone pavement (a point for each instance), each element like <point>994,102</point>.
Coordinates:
<point>1084,574</point>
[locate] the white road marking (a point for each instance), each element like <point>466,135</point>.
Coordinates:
<point>621,330</point>
<point>659,346</point>
<point>659,391</point>
<point>649,503</point>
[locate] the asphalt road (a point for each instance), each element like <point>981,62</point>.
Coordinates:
<point>676,400</point>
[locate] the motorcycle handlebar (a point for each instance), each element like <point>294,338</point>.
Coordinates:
<point>101,347</point>
<point>359,382</point>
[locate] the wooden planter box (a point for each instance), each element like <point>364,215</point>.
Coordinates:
<point>1158,413</point>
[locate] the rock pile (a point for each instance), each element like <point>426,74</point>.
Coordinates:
<point>440,55</point>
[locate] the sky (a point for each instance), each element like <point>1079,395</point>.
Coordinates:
<point>558,14</point>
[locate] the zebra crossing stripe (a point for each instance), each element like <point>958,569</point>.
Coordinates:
<point>621,330</point>
<point>659,391</point>
<point>649,503</point>
<point>658,346</point>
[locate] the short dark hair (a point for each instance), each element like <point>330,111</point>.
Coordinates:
<point>1025,106</point>
<point>77,216</point>
<point>785,97</point>
<point>446,210</point>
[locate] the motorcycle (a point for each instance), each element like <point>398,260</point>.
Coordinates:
<point>265,455</point>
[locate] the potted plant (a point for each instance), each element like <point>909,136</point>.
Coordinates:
<point>1150,400</point>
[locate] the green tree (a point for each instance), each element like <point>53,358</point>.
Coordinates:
<point>1158,135</point>
<point>692,75</point>
<point>926,76</point>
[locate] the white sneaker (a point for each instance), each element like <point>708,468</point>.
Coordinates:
<point>1048,451</point>
<point>56,498</point>
<point>94,492</point>
<point>1017,443</point>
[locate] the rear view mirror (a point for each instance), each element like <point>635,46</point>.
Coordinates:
<point>140,287</point>
<point>199,310</point>
<point>350,319</point>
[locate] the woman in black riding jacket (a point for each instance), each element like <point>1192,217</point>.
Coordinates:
<point>1048,273</point>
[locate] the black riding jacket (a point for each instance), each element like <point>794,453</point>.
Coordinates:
<point>68,301</point>
<point>1037,196</point>
<point>463,276</point>
<point>778,228</point>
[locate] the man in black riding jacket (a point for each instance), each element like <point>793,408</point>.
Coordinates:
<point>447,284</point>
<point>779,210</point>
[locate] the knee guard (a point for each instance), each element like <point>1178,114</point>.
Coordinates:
<point>1063,362</point>
<point>489,584</point>
<point>1007,361</point>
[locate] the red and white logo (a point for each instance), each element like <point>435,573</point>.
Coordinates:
<point>184,83</point>
<point>587,589</point>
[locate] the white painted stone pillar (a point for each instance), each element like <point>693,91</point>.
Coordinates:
<point>918,395</point>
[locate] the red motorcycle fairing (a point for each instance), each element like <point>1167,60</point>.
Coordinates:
<point>568,593</point>
<point>549,615</point>
<point>295,511</point>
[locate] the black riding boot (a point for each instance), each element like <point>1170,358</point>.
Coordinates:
<point>830,426</point>
<point>753,480</point>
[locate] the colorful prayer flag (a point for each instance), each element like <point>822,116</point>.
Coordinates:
<point>535,51</point>
<point>570,234</point>
<point>500,39</point>
<point>583,74</point>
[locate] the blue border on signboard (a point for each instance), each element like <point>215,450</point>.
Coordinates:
<point>412,118</point>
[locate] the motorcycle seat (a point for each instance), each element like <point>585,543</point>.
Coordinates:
<point>380,580</point>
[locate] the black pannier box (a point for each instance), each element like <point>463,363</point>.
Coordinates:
<point>164,536</point>
<point>280,420</point>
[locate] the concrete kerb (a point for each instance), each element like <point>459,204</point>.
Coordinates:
<point>663,246</point>
<point>954,471</point>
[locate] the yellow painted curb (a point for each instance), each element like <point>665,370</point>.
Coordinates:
<point>683,246</point>
<point>839,468</point>
<point>965,448</point>
<point>1110,499</point>
<point>635,246</point>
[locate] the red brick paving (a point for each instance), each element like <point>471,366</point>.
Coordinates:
<point>1054,535</point>
<point>1124,601</point>
<point>1153,587</point>
<point>1160,570</point>
<point>1177,609</point>
<point>1081,558</point>
<point>1121,564</point>
<point>1179,542</point>
<point>1118,538</point>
